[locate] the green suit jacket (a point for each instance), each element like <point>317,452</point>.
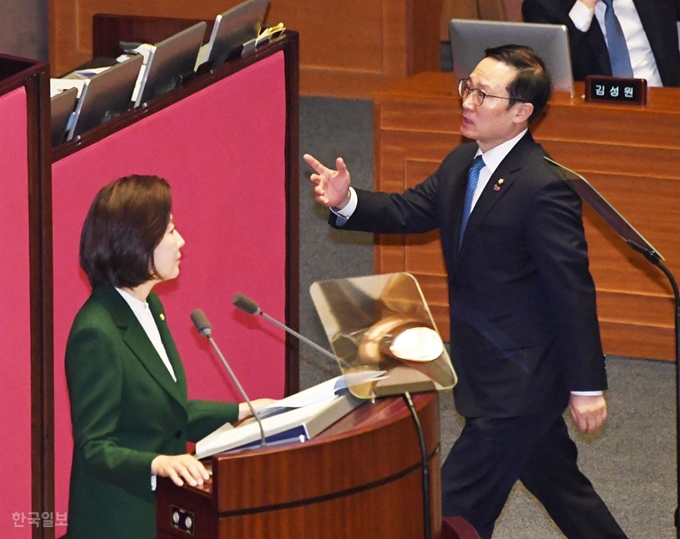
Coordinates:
<point>125,410</point>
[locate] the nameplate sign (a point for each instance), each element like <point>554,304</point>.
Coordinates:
<point>616,90</point>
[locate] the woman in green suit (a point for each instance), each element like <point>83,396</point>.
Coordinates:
<point>128,392</point>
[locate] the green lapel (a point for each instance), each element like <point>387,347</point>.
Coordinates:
<point>138,342</point>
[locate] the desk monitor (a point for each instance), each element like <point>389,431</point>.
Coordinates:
<point>469,39</point>
<point>105,95</point>
<point>170,62</point>
<point>233,28</point>
<point>61,108</point>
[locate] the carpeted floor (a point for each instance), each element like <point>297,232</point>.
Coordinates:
<point>632,462</point>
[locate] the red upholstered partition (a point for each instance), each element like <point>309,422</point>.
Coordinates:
<point>223,151</point>
<point>15,320</point>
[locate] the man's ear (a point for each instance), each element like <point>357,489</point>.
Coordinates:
<point>523,112</point>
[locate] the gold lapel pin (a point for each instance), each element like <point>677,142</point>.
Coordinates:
<point>498,185</point>
<point>161,316</point>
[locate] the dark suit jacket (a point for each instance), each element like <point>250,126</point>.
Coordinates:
<point>589,50</point>
<point>125,410</point>
<point>524,329</point>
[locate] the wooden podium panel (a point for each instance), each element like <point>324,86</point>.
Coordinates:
<point>359,479</point>
<point>347,49</point>
<point>25,303</point>
<point>628,153</point>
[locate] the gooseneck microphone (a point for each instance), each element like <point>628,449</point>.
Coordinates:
<point>248,305</point>
<point>200,320</point>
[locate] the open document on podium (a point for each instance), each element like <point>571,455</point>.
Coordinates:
<point>296,418</point>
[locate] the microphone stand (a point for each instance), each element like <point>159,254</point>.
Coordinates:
<point>638,243</point>
<point>202,325</point>
<point>425,478</point>
<point>263,438</point>
<point>655,259</point>
<point>249,306</point>
<point>304,339</point>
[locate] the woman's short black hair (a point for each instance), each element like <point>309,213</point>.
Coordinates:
<point>532,83</point>
<point>127,220</point>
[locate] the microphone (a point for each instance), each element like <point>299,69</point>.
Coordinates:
<point>248,305</point>
<point>200,320</point>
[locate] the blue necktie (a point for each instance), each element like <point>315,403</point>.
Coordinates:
<point>473,180</point>
<point>616,43</point>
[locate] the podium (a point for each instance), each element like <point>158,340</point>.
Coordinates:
<point>360,479</point>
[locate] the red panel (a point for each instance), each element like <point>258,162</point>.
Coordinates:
<point>223,152</point>
<point>15,322</point>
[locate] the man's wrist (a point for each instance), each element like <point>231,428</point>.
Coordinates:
<point>348,206</point>
<point>344,203</point>
<point>581,15</point>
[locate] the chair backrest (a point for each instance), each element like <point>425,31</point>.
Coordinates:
<point>513,10</point>
<point>490,10</point>
<point>458,528</point>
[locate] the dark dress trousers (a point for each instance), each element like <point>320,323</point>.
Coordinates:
<point>125,410</point>
<point>589,49</point>
<point>524,330</point>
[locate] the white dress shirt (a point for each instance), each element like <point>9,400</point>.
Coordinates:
<point>145,317</point>
<point>641,56</point>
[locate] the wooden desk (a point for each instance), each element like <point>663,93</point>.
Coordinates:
<point>629,153</point>
<point>359,479</point>
<point>347,49</point>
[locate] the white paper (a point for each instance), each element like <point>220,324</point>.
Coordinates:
<point>146,50</point>
<point>89,73</point>
<point>318,416</point>
<point>203,53</point>
<point>59,85</point>
<point>321,392</point>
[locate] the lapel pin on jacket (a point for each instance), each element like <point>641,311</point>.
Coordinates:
<point>161,316</point>
<point>498,185</point>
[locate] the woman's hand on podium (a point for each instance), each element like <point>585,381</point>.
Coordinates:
<point>180,468</point>
<point>258,404</point>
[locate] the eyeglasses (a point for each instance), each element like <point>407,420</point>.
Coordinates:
<point>478,97</point>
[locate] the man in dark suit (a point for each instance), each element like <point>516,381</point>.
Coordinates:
<point>649,27</point>
<point>524,332</point>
